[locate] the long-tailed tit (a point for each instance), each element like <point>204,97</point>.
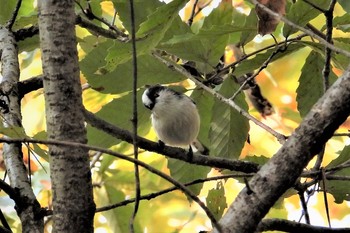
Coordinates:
<point>174,117</point>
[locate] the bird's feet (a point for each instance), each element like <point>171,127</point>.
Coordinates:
<point>161,144</point>
<point>190,154</point>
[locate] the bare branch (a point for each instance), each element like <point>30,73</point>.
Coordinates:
<point>90,15</point>
<point>291,226</point>
<point>29,209</point>
<point>328,52</point>
<point>190,20</point>
<point>134,119</point>
<point>29,85</point>
<point>263,66</point>
<point>14,15</point>
<point>172,152</point>
<point>97,30</point>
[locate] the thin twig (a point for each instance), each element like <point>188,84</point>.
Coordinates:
<point>4,221</point>
<point>341,135</point>
<point>168,190</point>
<point>12,20</point>
<point>328,52</point>
<point>226,69</point>
<point>124,157</point>
<point>319,159</point>
<point>190,20</point>
<point>315,6</point>
<point>304,206</point>
<point>95,159</point>
<point>262,67</point>
<point>90,15</point>
<point>134,117</point>
<point>325,196</point>
<point>292,226</point>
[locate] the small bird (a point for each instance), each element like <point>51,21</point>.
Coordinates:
<point>174,117</point>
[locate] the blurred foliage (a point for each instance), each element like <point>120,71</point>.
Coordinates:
<point>292,82</point>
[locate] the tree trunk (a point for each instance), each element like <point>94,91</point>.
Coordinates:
<point>73,205</point>
<point>28,208</point>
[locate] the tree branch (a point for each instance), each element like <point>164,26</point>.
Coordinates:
<point>270,182</point>
<point>171,152</point>
<point>14,15</point>
<point>29,85</point>
<point>134,116</point>
<point>28,209</point>
<point>97,30</point>
<point>291,226</point>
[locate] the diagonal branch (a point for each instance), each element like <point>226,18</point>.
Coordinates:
<point>290,226</point>
<point>270,182</point>
<point>14,15</point>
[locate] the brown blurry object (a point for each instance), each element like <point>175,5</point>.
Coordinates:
<point>267,23</point>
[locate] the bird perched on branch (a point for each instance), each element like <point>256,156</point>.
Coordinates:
<point>174,117</point>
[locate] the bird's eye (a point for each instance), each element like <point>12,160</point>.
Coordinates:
<point>156,95</point>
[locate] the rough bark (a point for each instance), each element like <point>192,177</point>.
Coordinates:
<point>28,208</point>
<point>283,169</point>
<point>73,206</point>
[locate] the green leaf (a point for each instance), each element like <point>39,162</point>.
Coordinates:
<point>254,63</point>
<point>26,21</point>
<point>6,10</point>
<point>205,103</point>
<point>302,13</point>
<point>251,21</point>
<point>216,200</point>
<point>118,218</point>
<point>340,188</point>
<point>345,4</point>
<point>185,172</point>
<point>13,132</point>
<point>149,35</point>
<point>310,87</point>
<point>206,46</point>
<point>342,23</point>
<point>340,61</point>
<point>119,80</point>
<point>142,9</point>
<point>261,160</point>
<point>119,112</point>
<point>29,44</point>
<point>8,6</point>
<point>228,129</point>
<point>160,20</point>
